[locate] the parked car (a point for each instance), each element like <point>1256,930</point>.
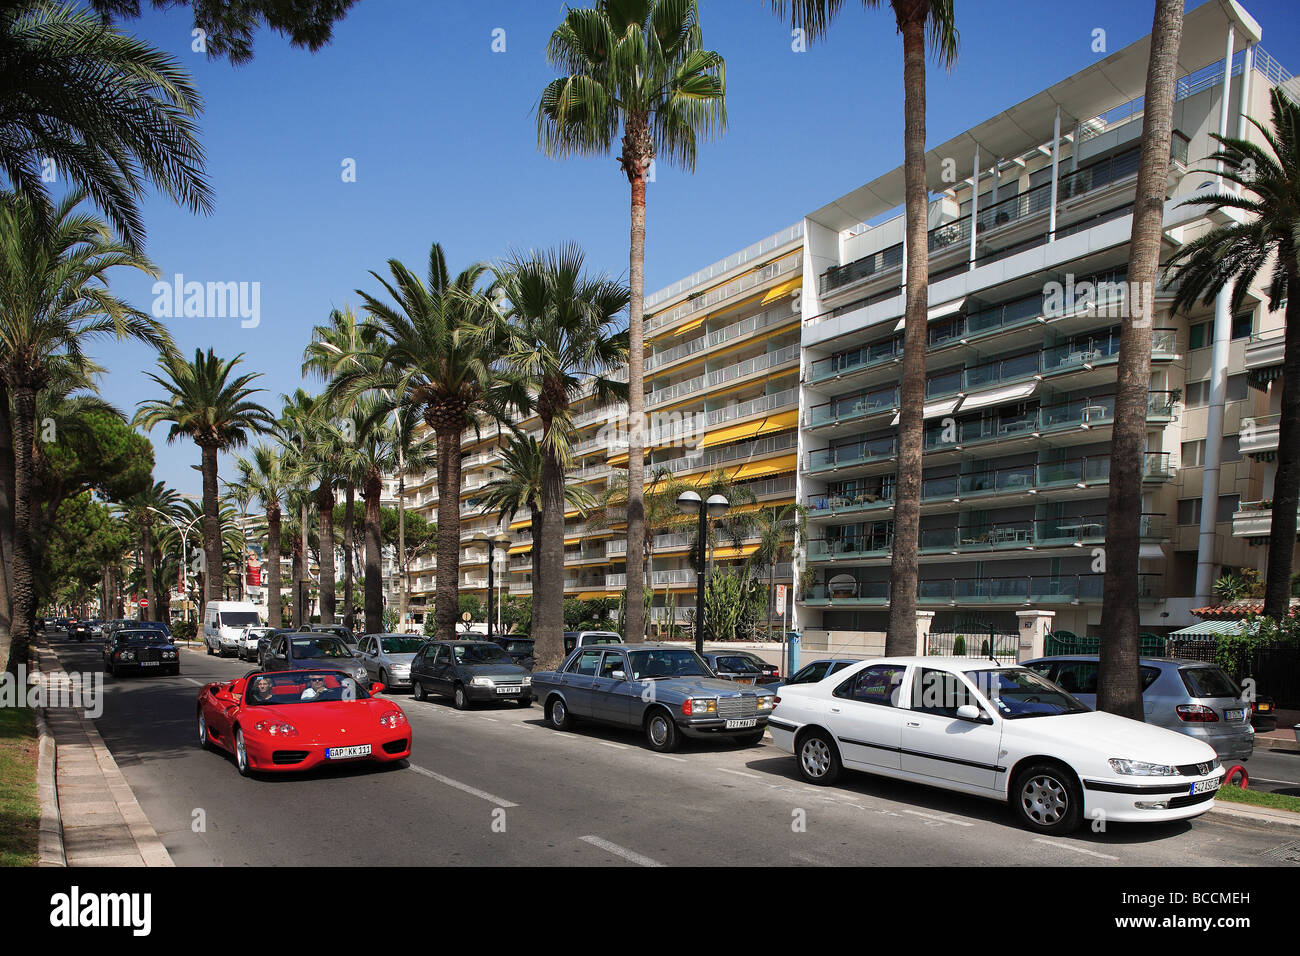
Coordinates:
<point>814,671</point>
<point>295,650</point>
<point>469,671</point>
<point>520,649</point>
<point>387,657</point>
<point>338,630</point>
<point>998,731</point>
<point>1191,697</point>
<point>250,641</point>
<point>666,692</point>
<point>140,651</point>
<point>576,639</point>
<point>299,719</point>
<point>733,667</point>
<point>1263,714</point>
<point>771,673</point>
<point>224,623</point>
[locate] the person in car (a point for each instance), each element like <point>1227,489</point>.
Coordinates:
<point>262,690</point>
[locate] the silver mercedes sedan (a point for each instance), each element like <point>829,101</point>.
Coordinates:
<point>387,657</point>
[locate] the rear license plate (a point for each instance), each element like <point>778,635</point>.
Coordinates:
<point>741,724</point>
<point>509,690</point>
<point>343,753</point>
<point>744,680</point>
<point>1234,715</point>
<point>1204,786</point>
<point>1263,707</point>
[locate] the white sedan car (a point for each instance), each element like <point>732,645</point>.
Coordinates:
<point>993,730</point>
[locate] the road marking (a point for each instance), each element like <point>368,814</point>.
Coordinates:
<point>196,683</point>
<point>629,855</point>
<point>935,816</point>
<point>491,719</point>
<point>670,757</point>
<point>464,787</point>
<point>741,773</point>
<point>1076,849</point>
<point>1290,783</point>
<point>606,743</point>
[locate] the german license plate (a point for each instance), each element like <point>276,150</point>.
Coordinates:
<point>1234,715</point>
<point>344,753</point>
<point>509,690</point>
<point>1264,707</point>
<point>741,724</point>
<point>744,680</point>
<point>149,663</point>
<point>1204,786</point>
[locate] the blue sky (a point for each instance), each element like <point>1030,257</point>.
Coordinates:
<point>442,134</point>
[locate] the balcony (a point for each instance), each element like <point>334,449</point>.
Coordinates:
<point>1265,353</point>
<point>1254,520</point>
<point>847,590</point>
<point>716,296</point>
<point>777,316</point>
<point>1258,437</point>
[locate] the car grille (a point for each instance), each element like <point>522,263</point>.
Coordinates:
<point>395,746</point>
<point>288,756</point>
<point>1194,769</point>
<point>745,705</point>
<point>1188,801</point>
<point>148,654</point>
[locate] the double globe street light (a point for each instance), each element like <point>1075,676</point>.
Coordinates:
<point>492,541</point>
<point>690,502</point>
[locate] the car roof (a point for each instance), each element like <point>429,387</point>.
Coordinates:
<point>1178,661</point>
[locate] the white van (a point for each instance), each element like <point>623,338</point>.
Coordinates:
<point>224,623</point>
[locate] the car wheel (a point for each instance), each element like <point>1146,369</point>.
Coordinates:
<point>204,740</point>
<point>557,713</point>
<point>417,691</point>
<point>1047,799</point>
<point>209,647</point>
<point>460,698</point>
<point>241,755</point>
<point>819,758</point>
<point>749,740</point>
<point>661,731</point>
<point>383,678</point>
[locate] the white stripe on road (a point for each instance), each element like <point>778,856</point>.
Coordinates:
<point>669,757</point>
<point>464,787</point>
<point>935,816</point>
<point>196,683</point>
<point>1076,849</point>
<point>1289,783</point>
<point>629,855</point>
<point>606,743</point>
<point>491,719</point>
<point>741,773</point>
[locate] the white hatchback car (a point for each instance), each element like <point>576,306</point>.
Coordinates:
<point>993,730</point>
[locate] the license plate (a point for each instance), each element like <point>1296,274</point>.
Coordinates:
<point>509,690</point>
<point>1204,786</point>
<point>149,663</point>
<point>343,753</point>
<point>1264,707</point>
<point>740,724</point>
<point>744,680</point>
<point>1234,715</point>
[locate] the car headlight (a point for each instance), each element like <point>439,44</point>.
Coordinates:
<point>276,728</point>
<point>169,655</point>
<point>126,655</point>
<point>1140,768</point>
<point>482,681</point>
<point>393,719</point>
<point>699,706</point>
<point>766,703</point>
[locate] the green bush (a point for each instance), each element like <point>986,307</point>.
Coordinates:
<point>184,630</point>
<point>959,646</point>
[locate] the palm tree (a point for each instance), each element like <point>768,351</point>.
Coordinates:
<point>775,527</point>
<point>1269,233</point>
<point>640,67</point>
<point>1118,678</point>
<point>915,19</point>
<point>426,362</point>
<point>263,475</point>
<point>217,413</point>
<point>54,301</point>
<point>109,112</point>
<point>142,512</point>
<point>557,338</point>
<point>296,420</point>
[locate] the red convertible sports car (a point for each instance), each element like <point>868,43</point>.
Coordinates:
<point>295,720</point>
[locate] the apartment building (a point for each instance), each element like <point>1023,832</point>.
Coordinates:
<point>1029,224</point>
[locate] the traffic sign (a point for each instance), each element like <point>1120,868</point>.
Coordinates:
<point>144,602</point>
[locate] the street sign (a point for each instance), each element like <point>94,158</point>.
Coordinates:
<point>144,602</point>
<point>780,600</point>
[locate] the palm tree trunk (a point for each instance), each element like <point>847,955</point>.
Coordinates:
<point>325,505</point>
<point>374,572</point>
<point>22,583</point>
<point>274,611</point>
<point>211,524</point>
<point>535,555</point>
<point>349,605</point>
<point>304,528</point>
<point>1118,680</point>
<point>901,636</point>
<point>146,551</point>
<point>636,159</point>
<point>401,543</point>
<point>297,618</point>
<point>771,592</point>
<point>548,605</point>
<point>6,512</point>
<point>1286,484</point>
<point>447,586</point>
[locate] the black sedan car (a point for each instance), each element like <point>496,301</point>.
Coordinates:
<point>520,649</point>
<point>140,651</point>
<point>338,630</point>
<point>469,671</point>
<point>733,667</point>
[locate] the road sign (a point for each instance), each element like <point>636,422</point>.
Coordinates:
<point>780,600</point>
<point>144,602</point>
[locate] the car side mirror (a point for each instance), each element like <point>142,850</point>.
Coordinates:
<point>618,675</point>
<point>972,713</point>
<point>376,688</point>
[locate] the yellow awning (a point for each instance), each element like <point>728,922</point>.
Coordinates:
<point>773,466</point>
<point>523,523</point>
<point>786,287</point>
<point>589,595</point>
<point>521,548</point>
<point>573,540</point>
<point>744,551</point>
<point>690,326</point>
<point>763,426</point>
<point>619,460</point>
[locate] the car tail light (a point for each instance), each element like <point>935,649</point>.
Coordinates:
<point>1196,714</point>
<point>775,701</point>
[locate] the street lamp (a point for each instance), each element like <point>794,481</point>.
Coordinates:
<point>185,569</point>
<point>492,541</point>
<point>715,507</point>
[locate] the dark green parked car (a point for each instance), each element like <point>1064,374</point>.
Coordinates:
<point>469,671</point>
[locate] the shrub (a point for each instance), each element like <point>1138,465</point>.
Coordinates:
<point>959,646</point>
<point>184,630</point>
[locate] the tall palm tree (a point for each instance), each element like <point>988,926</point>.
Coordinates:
<point>775,528</point>
<point>217,412</point>
<point>915,20</point>
<point>1269,233</point>
<point>54,301</point>
<point>297,418</point>
<point>142,511</point>
<point>426,362</point>
<point>557,337</point>
<point>1119,686</point>
<point>638,66</point>
<point>110,113</point>
<point>263,475</point>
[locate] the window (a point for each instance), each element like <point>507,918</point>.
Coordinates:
<point>1199,336</point>
<point>1243,325</point>
<point>874,685</point>
<point>1198,394</point>
<point>1194,453</point>
<point>586,663</point>
<point>1189,511</point>
<point>1227,507</point>
<point>940,693</point>
<point>1238,385</point>
<point>1231,448</point>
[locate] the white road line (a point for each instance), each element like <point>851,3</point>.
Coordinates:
<point>741,773</point>
<point>491,719</point>
<point>935,816</point>
<point>670,757</point>
<point>196,683</point>
<point>617,850</point>
<point>1076,849</point>
<point>1290,783</point>
<point>606,743</point>
<point>464,787</point>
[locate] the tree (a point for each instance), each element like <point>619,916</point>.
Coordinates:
<point>142,511</point>
<point>915,20</point>
<point>775,528</point>
<point>263,475</point>
<point>100,109</point>
<point>1269,232</point>
<point>638,66</point>
<point>54,301</point>
<point>557,337</point>
<point>1119,686</point>
<point>204,403</point>
<point>84,539</point>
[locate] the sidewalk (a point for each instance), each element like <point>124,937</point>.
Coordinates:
<point>1284,737</point>
<point>101,822</point>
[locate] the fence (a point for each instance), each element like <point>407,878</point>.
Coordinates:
<point>1275,670</point>
<point>974,645</point>
<point>1067,642</point>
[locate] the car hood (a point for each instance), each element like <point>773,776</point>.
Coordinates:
<point>399,658</point>
<point>492,670</point>
<point>310,718</point>
<point>1113,736</point>
<point>687,686</point>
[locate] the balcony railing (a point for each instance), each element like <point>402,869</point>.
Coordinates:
<point>754,323</point>
<point>714,297</point>
<point>844,589</point>
<point>852,406</point>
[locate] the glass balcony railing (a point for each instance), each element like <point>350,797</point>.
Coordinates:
<point>880,449</point>
<point>851,407</point>
<point>846,589</point>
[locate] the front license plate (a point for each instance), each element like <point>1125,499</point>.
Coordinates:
<point>343,753</point>
<point>1234,714</point>
<point>509,690</point>
<point>741,724</point>
<point>149,663</point>
<point>1204,786</point>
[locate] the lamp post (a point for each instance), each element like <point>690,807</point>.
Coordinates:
<point>715,507</point>
<point>492,541</point>
<point>185,571</point>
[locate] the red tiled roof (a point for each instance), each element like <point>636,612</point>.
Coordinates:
<point>1237,609</point>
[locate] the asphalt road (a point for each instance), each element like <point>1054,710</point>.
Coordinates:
<point>497,786</point>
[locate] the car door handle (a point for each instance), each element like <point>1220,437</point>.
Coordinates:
<point>835,710</point>
<point>913,723</point>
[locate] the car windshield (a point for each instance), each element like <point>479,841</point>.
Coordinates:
<point>1209,682</point>
<point>519,647</point>
<point>401,645</point>
<point>737,665</point>
<point>674,662</point>
<point>314,648</point>
<point>238,618</point>
<point>480,654</point>
<point>1018,692</point>
<point>301,687</point>
<point>141,637</point>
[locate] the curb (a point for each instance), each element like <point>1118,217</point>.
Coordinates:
<point>50,841</point>
<point>1277,745</point>
<point>1266,816</point>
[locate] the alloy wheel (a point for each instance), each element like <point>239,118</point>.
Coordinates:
<point>1045,800</point>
